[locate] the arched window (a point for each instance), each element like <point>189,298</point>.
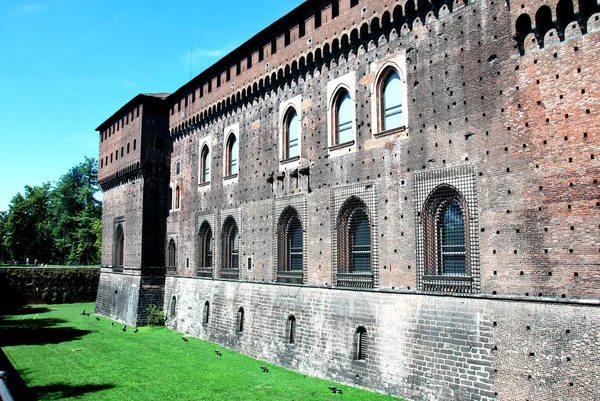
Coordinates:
<point>205,165</point>
<point>360,344</point>
<point>291,329</point>
<point>290,239</point>
<point>119,246</point>
<point>391,100</point>
<point>229,249</point>
<point>172,254</point>
<point>177,197</point>
<point>206,313</point>
<point>231,156</point>
<point>290,134</point>
<point>446,251</point>
<point>173,307</point>
<point>239,324</point>
<point>354,244</point>
<point>342,118</point>
<point>205,250</point>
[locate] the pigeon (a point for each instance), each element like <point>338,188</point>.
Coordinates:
<point>97,319</point>
<point>124,327</point>
<point>83,313</point>
<point>185,340</point>
<point>136,330</point>
<point>265,369</point>
<point>218,353</point>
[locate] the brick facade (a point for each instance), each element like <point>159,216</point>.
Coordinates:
<point>498,116</point>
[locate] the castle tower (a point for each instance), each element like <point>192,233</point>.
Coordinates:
<point>133,173</point>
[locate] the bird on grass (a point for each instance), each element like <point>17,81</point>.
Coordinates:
<point>136,330</point>
<point>124,327</point>
<point>218,353</point>
<point>185,340</point>
<point>83,313</point>
<point>113,324</point>
<point>97,319</point>
<point>265,369</point>
<point>335,390</point>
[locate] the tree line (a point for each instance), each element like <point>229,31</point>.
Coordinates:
<point>57,223</point>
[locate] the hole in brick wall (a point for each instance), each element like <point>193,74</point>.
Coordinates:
<point>566,138</point>
<point>568,358</point>
<point>539,102</point>
<point>541,187</point>
<point>493,292</point>
<point>494,251</point>
<point>506,148</point>
<point>547,120</point>
<point>587,111</point>
<point>567,115</point>
<point>571,250</point>
<point>509,192</point>
<point>521,273</point>
<point>579,70</point>
<point>545,142</point>
<point>575,274</point>
<point>495,273</point>
<point>592,157</point>
<point>508,169</point>
<point>515,251</point>
<point>570,184</point>
<point>583,91</point>
<point>545,251</point>
<point>494,324</point>
<point>563,296</point>
<point>569,207</point>
<point>518,230</point>
<point>527,328</point>
<point>567,331</point>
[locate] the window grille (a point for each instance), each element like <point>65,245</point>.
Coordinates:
<point>206,313</point>
<point>360,344</point>
<point>240,320</point>
<point>343,118</point>
<point>354,236</point>
<point>119,246</point>
<point>289,238</point>
<point>205,251</point>
<point>172,256</point>
<point>229,249</point>
<point>292,329</point>
<point>447,230</point>
<point>392,101</point>
<point>205,165</point>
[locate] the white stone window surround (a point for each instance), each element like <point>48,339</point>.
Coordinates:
<point>398,63</point>
<point>347,82</point>
<point>232,129</point>
<point>296,104</point>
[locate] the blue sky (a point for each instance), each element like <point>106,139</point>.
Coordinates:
<point>67,65</point>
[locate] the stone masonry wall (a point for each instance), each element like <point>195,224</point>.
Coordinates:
<point>418,347</point>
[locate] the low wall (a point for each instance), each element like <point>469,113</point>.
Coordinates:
<point>20,286</point>
<point>419,347</point>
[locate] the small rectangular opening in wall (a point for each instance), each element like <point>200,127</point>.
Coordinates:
<point>249,264</point>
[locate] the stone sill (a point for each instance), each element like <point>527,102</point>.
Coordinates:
<point>290,160</point>
<point>341,145</point>
<point>204,184</point>
<point>230,177</point>
<point>390,132</point>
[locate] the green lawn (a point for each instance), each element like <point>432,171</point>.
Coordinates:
<point>62,354</point>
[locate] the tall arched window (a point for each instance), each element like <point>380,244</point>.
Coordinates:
<point>290,239</point>
<point>172,254</point>
<point>173,307</point>
<point>342,118</point>
<point>229,249</point>
<point>205,250</point>
<point>391,100</point>
<point>446,251</point>
<point>291,133</point>
<point>205,165</point>
<point>119,246</point>
<point>360,344</point>
<point>354,244</point>
<point>239,324</point>
<point>206,314</point>
<point>231,156</point>
<point>291,329</point>
<point>177,197</point>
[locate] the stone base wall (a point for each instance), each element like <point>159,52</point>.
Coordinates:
<point>419,347</point>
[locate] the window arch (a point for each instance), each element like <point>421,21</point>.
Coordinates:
<point>239,324</point>
<point>291,134</point>
<point>342,118</point>
<point>205,250</point>
<point>390,100</point>
<point>360,344</point>
<point>177,196</point>
<point>290,247</point>
<point>291,329</point>
<point>119,246</point>
<point>206,313</point>
<point>172,254</point>
<point>205,165</point>
<point>173,311</point>
<point>445,233</point>
<point>231,156</point>
<point>230,249</point>
<point>354,237</point>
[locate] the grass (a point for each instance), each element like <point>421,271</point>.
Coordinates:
<point>62,354</point>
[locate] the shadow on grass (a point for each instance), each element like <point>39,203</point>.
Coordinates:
<point>24,311</point>
<point>60,390</point>
<point>37,332</point>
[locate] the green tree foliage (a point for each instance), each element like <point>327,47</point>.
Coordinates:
<point>60,224</point>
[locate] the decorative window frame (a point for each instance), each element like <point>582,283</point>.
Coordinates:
<point>299,203</point>
<point>462,180</point>
<point>208,217</point>
<point>118,221</point>
<point>235,130</point>
<point>218,235</point>
<point>172,237</point>
<point>380,68</point>
<point>293,162</point>
<point>348,83</point>
<point>206,141</point>
<point>367,193</point>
